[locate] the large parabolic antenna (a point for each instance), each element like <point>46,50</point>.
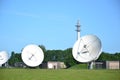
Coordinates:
<point>87,48</point>
<point>32,55</point>
<point>3,57</point>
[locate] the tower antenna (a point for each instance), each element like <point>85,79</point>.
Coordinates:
<point>78,29</point>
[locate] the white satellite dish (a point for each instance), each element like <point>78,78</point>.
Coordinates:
<point>32,55</point>
<point>3,57</point>
<point>87,48</point>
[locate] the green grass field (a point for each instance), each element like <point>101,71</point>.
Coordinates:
<point>60,74</point>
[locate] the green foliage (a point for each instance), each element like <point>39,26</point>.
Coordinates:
<point>80,66</point>
<point>69,60</point>
<point>106,56</point>
<point>15,57</point>
<point>43,48</point>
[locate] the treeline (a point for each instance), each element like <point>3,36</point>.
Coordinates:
<point>61,55</point>
<point>107,56</point>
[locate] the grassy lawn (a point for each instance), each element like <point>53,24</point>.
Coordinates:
<point>61,74</point>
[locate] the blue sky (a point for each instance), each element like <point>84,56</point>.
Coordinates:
<point>52,23</point>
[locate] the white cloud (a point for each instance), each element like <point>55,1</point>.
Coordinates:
<point>27,14</point>
<point>20,13</point>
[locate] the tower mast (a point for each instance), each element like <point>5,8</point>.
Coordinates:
<point>78,29</point>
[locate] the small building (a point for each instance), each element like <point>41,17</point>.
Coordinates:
<point>19,64</point>
<point>100,65</point>
<point>112,64</point>
<point>54,65</point>
<point>107,65</point>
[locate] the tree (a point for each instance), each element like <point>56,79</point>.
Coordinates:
<point>43,48</point>
<point>15,57</point>
<point>68,58</point>
<point>11,60</point>
<point>107,56</point>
